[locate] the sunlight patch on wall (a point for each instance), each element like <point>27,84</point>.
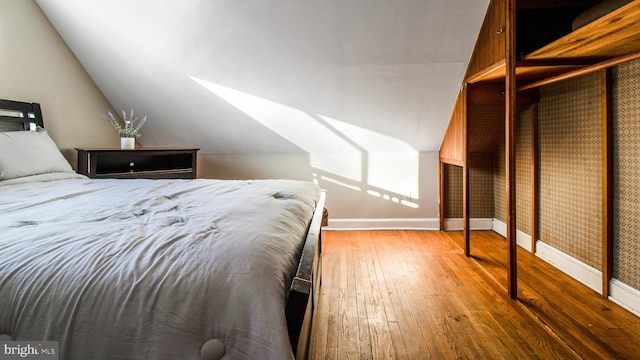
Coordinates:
<point>326,150</point>
<point>391,164</point>
<point>341,183</point>
<point>356,156</point>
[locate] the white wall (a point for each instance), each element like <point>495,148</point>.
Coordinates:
<point>369,175</point>
<point>37,66</point>
<point>381,203</point>
<point>260,76</point>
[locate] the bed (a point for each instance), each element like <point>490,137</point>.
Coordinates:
<point>151,269</point>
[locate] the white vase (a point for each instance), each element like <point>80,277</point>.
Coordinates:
<point>127,143</point>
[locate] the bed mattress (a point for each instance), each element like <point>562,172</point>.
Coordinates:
<point>156,269</point>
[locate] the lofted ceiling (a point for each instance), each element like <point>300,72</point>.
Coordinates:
<point>277,76</point>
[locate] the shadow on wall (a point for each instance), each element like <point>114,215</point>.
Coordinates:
<point>338,152</point>
<point>346,198</point>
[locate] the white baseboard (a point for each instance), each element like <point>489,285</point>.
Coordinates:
<point>522,239</point>
<point>621,293</point>
<point>383,224</point>
<point>625,296</point>
<point>500,227</point>
<point>474,224</point>
<point>573,267</point>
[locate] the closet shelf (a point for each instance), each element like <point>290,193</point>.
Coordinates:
<point>614,35</point>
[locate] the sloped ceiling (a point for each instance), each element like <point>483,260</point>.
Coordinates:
<point>279,76</point>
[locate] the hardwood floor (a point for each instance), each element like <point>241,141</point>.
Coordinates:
<point>414,295</point>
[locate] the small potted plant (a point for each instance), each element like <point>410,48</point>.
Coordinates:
<point>129,132</point>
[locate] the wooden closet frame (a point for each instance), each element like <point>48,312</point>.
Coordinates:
<point>607,41</point>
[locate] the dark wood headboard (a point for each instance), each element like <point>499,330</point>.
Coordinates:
<point>17,115</point>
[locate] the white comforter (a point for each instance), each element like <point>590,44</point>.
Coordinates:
<point>152,269</point>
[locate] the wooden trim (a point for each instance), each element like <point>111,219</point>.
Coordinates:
<point>492,93</point>
<point>449,161</point>
<point>607,180</point>
<point>452,147</point>
<point>489,47</point>
<point>559,62</point>
<point>486,71</point>
<point>510,148</point>
<point>465,173</point>
<point>586,70</point>
<point>442,198</point>
<point>535,184</point>
<point>465,210</point>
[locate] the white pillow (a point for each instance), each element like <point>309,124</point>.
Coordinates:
<point>25,153</point>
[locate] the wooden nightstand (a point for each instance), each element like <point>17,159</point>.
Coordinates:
<point>145,163</point>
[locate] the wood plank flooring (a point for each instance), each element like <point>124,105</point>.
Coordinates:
<point>414,295</point>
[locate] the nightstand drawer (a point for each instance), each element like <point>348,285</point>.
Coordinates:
<point>150,163</point>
